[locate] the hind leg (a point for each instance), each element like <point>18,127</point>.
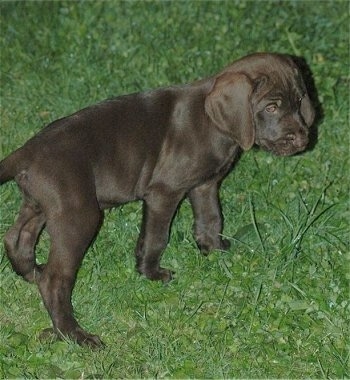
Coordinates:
<point>21,238</point>
<point>71,233</point>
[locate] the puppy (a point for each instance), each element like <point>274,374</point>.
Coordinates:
<point>157,146</point>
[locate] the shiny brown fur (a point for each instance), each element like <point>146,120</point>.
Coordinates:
<point>159,147</point>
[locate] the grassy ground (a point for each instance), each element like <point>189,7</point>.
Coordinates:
<point>277,304</point>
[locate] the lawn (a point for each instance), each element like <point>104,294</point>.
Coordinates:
<point>276,305</point>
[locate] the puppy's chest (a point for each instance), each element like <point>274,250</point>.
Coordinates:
<point>220,164</point>
<point>194,167</point>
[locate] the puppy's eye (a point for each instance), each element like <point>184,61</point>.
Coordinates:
<point>271,108</point>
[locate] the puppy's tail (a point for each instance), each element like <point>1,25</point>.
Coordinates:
<point>9,166</point>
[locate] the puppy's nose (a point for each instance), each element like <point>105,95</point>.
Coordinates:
<point>299,139</point>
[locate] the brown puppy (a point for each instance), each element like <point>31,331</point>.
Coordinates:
<point>158,146</point>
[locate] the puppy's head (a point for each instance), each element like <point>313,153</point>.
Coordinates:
<point>262,99</point>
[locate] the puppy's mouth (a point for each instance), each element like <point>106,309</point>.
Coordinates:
<point>286,145</point>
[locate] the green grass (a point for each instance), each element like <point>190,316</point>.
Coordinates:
<point>276,305</point>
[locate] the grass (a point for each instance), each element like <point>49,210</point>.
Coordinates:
<point>276,305</point>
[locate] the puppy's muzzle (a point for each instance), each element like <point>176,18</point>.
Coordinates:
<point>288,144</point>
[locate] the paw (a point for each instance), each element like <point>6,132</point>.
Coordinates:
<point>85,339</point>
<point>160,274</point>
<point>208,246</point>
<point>225,244</point>
<point>77,335</point>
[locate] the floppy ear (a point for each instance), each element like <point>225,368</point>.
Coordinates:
<point>307,110</point>
<point>228,106</point>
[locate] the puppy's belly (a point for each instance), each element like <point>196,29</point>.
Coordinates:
<point>114,191</point>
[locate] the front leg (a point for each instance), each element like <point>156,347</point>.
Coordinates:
<point>208,217</point>
<point>158,211</point>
